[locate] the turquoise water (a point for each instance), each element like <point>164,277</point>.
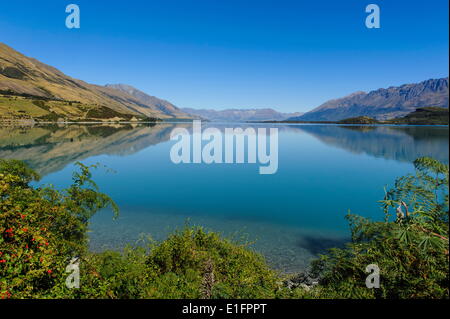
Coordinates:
<point>324,171</point>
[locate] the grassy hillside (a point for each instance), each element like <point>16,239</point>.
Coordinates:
<point>424,116</point>
<point>26,77</point>
<point>45,110</point>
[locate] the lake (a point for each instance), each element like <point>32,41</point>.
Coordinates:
<point>324,171</point>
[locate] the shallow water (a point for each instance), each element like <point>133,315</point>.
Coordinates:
<point>291,216</point>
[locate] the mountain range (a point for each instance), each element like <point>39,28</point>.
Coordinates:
<point>154,103</point>
<point>382,104</point>
<point>30,89</point>
<point>240,115</point>
<point>27,77</point>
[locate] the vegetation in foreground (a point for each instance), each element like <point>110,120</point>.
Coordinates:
<point>411,247</point>
<point>42,229</point>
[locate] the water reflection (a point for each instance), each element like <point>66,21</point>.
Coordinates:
<point>400,143</point>
<point>50,148</point>
<point>293,215</point>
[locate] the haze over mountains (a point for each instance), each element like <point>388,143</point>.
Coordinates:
<point>382,104</point>
<point>26,76</point>
<point>239,115</point>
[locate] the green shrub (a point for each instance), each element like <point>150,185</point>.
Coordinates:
<point>410,246</point>
<point>191,263</point>
<point>41,229</point>
<point>204,265</point>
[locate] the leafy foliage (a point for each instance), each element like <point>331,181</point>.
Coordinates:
<point>41,229</point>
<point>410,246</point>
<point>208,266</point>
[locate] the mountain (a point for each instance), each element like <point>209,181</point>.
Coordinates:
<point>153,102</point>
<point>24,80</point>
<point>382,104</point>
<point>239,115</point>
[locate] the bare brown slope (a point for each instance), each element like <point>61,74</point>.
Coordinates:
<point>24,75</point>
<point>153,102</point>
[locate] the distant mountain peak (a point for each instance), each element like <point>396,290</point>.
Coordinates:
<point>383,103</point>
<point>356,93</point>
<point>240,114</point>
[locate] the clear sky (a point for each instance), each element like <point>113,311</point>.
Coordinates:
<point>288,55</point>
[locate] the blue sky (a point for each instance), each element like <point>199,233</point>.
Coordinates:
<point>288,55</point>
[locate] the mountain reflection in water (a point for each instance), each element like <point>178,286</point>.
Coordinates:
<point>291,216</point>
<point>50,148</point>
